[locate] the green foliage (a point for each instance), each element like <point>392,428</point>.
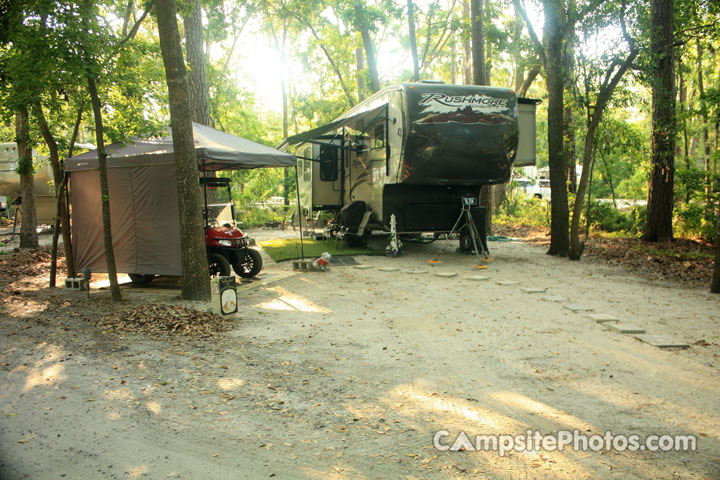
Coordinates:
<point>694,220</point>
<point>606,218</point>
<point>517,209</point>
<point>251,215</point>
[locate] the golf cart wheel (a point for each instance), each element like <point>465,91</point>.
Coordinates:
<point>251,266</point>
<point>219,265</point>
<point>140,278</point>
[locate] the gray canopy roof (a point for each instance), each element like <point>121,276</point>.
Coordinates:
<point>215,150</point>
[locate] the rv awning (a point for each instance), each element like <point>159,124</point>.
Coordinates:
<point>215,150</point>
<point>368,116</point>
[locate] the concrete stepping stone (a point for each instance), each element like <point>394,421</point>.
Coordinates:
<point>625,328</point>
<point>388,269</point>
<point>662,341</point>
<point>575,307</point>
<point>417,271</point>
<point>603,318</point>
<point>533,290</point>
<point>553,298</point>
<point>446,274</point>
<point>478,278</point>
<point>507,283</point>
<point>363,267</point>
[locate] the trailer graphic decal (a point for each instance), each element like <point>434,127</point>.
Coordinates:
<point>477,108</point>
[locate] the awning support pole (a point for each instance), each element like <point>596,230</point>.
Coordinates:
<point>387,140</point>
<point>300,217</point>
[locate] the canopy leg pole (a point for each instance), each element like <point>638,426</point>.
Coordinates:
<point>297,195</point>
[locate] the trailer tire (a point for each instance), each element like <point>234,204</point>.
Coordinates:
<point>140,278</point>
<point>219,265</point>
<point>251,265</point>
<point>466,243</point>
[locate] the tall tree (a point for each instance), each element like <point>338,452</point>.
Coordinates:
<point>90,48</point>
<point>28,228</point>
<point>467,45</point>
<point>413,40</point>
<point>360,73</point>
<point>280,44</point>
<point>569,126</point>
<point>613,74</point>
<point>554,32</point>
<point>705,152</point>
<point>197,79</point>
<point>363,26</point>
<point>560,20</point>
<point>477,29</point>
<point>59,179</point>
<point>660,192</point>
<point>715,285</point>
<point>104,189</point>
<point>195,284</point>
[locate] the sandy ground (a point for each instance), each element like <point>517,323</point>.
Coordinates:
<point>348,374</point>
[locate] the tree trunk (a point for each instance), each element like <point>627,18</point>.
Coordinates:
<point>28,228</point>
<point>479,78</point>
<point>59,179</point>
<point>531,76</point>
<point>197,79</point>
<point>603,97</point>
<point>569,127</point>
<point>715,285</point>
<point>364,29</point>
<point>589,191</point>
<point>413,41</point>
<point>60,193</point>
<point>478,42</point>
<point>660,191</point>
<point>360,69</point>
<point>104,192</point>
<point>683,109</point>
<point>705,129</point>
<point>453,59</point>
<point>554,76</point>
<point>519,74</point>
<point>195,283</point>
<point>467,48</point>
<point>608,174</point>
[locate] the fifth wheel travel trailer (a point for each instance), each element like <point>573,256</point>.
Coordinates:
<point>420,152</point>
<point>10,188</point>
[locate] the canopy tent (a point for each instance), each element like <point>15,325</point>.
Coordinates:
<point>143,197</point>
<point>215,150</point>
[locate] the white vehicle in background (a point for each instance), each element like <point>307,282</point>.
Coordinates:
<point>541,189</point>
<point>530,188</point>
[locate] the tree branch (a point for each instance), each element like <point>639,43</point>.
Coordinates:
<point>531,31</point>
<point>136,26</point>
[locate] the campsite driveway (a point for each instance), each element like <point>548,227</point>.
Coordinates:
<point>350,373</point>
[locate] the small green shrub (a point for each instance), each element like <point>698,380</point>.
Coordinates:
<point>693,220</point>
<point>639,213</point>
<point>527,211</point>
<point>605,217</point>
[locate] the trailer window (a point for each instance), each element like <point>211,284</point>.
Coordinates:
<point>306,170</point>
<point>379,138</point>
<point>328,163</point>
<point>306,165</point>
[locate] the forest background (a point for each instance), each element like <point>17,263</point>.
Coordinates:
<point>264,70</point>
